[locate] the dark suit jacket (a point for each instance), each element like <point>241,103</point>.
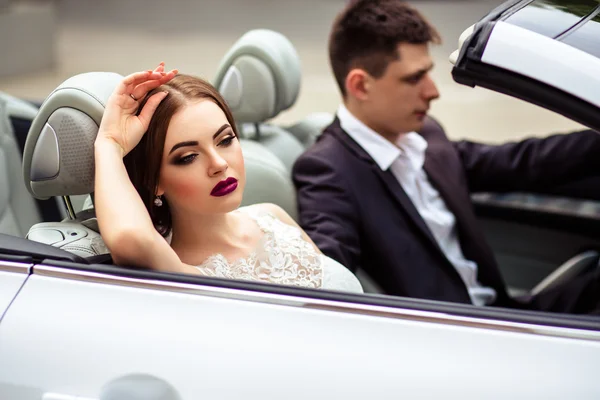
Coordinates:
<point>360,215</point>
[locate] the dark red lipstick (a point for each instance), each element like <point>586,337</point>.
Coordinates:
<point>224,187</point>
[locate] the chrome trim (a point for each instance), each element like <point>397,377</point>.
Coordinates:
<point>10,266</point>
<point>69,205</point>
<point>318,304</point>
<point>568,270</point>
<point>575,28</point>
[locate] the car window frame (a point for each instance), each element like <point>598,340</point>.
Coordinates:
<point>471,70</point>
<point>348,301</point>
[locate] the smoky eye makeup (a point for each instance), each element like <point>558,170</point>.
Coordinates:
<point>184,159</point>
<point>226,138</point>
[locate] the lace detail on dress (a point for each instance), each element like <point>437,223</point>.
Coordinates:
<point>282,257</point>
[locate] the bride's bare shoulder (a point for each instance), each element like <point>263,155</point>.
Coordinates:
<point>273,209</point>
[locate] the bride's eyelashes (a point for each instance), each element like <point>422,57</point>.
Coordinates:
<point>227,141</point>
<point>185,159</point>
<point>189,158</point>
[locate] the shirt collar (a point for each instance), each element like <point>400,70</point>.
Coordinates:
<point>381,151</point>
<point>413,146</point>
<point>384,153</point>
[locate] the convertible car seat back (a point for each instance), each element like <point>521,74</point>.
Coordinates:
<point>18,210</point>
<point>259,77</point>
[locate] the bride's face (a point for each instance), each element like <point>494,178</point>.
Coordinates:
<point>202,170</point>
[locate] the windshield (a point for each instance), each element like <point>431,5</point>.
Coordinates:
<point>552,17</point>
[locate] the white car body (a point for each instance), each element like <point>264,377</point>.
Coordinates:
<point>70,330</point>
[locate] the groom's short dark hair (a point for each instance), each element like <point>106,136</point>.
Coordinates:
<point>366,35</point>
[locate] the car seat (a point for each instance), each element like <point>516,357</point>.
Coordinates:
<point>260,77</point>
<point>18,210</point>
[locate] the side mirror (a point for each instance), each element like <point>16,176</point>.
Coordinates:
<point>138,387</point>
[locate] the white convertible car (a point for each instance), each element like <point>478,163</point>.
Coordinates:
<point>74,326</point>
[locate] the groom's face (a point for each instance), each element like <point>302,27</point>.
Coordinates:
<point>398,101</point>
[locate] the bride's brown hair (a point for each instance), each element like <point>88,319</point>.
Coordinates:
<point>144,161</point>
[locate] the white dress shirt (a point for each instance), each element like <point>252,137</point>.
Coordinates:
<point>405,159</point>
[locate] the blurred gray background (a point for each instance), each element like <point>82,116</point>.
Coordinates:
<point>43,42</point>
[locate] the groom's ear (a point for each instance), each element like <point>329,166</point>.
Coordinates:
<point>358,84</point>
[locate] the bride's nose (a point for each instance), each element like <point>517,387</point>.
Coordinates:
<point>217,165</point>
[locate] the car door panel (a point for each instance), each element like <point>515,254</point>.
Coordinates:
<point>532,235</point>
<point>73,335</point>
<point>12,277</point>
<point>527,254</point>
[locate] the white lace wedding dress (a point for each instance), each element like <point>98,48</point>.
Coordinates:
<point>282,257</point>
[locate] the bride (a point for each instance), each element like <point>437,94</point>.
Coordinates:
<point>168,186</point>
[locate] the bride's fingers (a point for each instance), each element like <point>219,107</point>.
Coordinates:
<point>160,68</point>
<point>129,82</point>
<point>169,75</point>
<point>139,77</point>
<point>141,90</point>
<point>149,108</point>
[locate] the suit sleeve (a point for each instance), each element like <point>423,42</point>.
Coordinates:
<point>535,165</point>
<point>326,210</point>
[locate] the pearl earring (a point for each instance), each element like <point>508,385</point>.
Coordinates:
<point>158,201</point>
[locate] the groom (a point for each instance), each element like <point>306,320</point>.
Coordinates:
<point>385,190</point>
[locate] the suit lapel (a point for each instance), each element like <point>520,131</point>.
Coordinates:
<point>406,205</point>
<point>390,183</point>
<point>471,236</point>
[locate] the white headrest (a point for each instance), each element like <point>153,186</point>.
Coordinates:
<point>259,76</point>
<point>59,152</point>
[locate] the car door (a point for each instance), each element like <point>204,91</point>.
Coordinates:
<point>544,52</point>
<point>13,274</point>
<point>532,235</point>
<point>80,331</point>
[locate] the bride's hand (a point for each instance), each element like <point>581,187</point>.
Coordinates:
<point>119,122</point>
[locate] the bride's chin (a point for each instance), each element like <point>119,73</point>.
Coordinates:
<point>228,204</point>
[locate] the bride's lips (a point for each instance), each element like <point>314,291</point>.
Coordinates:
<point>224,187</point>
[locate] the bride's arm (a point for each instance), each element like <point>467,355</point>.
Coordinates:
<point>124,222</point>
<point>125,225</point>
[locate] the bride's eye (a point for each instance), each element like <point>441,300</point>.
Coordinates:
<point>186,159</point>
<point>227,141</point>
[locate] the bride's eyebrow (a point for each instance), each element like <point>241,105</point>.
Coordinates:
<point>221,129</point>
<point>195,142</point>
<point>183,144</point>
